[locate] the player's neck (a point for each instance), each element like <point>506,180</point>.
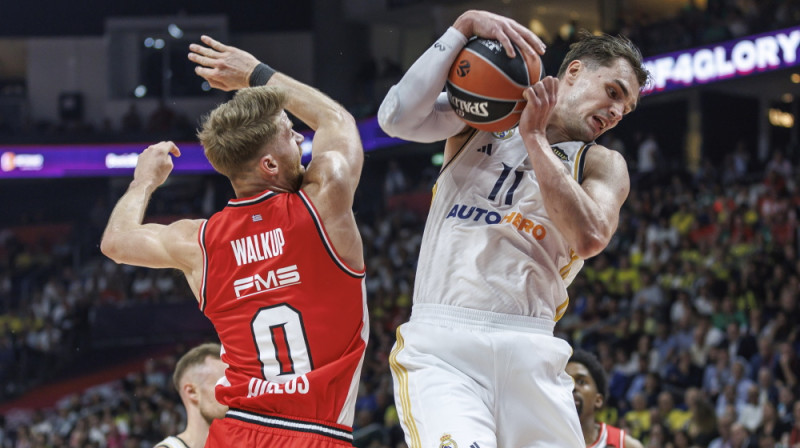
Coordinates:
<point>591,430</point>
<point>195,434</point>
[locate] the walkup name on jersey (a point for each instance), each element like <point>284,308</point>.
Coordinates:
<point>258,247</point>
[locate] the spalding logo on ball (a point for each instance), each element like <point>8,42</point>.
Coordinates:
<point>485,86</point>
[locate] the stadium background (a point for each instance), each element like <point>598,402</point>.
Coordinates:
<point>692,309</point>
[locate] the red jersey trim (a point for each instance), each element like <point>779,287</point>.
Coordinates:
<point>326,242</point>
<point>272,421</point>
<point>609,436</point>
<point>201,237</point>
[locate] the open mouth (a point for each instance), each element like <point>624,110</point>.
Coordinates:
<point>599,123</point>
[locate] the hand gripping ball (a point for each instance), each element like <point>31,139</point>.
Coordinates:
<point>485,86</point>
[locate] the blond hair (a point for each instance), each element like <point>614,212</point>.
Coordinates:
<point>236,132</point>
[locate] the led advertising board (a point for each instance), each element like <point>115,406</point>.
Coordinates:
<point>80,160</point>
<point>732,59</point>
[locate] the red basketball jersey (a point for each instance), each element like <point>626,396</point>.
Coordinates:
<point>290,314</point>
<point>609,437</point>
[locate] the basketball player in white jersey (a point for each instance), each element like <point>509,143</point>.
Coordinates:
<point>514,214</point>
<point>196,374</point>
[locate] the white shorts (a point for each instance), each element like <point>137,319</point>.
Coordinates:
<point>476,379</point>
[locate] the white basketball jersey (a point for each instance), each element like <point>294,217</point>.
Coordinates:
<point>488,242</point>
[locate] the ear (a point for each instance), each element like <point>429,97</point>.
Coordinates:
<point>573,69</point>
<point>599,401</point>
<point>191,392</point>
<point>268,165</point>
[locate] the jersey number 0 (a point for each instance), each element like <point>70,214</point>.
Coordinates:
<point>281,342</point>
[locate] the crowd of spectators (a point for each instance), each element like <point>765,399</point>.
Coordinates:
<point>692,310</point>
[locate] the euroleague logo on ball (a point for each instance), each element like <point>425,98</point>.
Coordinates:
<point>463,68</point>
<point>485,85</point>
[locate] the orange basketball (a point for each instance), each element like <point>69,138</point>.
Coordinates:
<point>485,86</point>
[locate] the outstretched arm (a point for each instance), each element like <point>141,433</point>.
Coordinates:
<point>126,240</point>
<point>229,68</point>
<point>336,154</point>
<point>415,108</point>
<point>587,214</point>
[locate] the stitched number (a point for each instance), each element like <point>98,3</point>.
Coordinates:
<point>281,342</point>
<point>501,180</point>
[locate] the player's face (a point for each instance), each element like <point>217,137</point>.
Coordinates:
<point>289,152</point>
<point>598,99</point>
<point>585,394</point>
<point>213,369</point>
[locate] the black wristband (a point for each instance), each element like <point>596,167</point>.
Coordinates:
<point>261,75</point>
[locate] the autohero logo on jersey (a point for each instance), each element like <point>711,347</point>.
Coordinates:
<point>255,284</point>
<point>296,385</point>
<point>515,219</point>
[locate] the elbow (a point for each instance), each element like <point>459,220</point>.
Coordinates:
<point>384,120</point>
<point>110,248</point>
<point>591,244</point>
<point>346,118</point>
<point>339,118</point>
<point>390,118</point>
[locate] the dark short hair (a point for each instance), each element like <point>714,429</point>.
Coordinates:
<point>604,49</point>
<point>592,364</point>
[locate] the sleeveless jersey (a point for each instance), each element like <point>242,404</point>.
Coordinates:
<point>488,242</point>
<point>290,314</point>
<point>609,437</point>
<point>171,442</point>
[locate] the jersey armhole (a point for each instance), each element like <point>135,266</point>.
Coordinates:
<point>580,161</point>
<point>460,150</point>
<point>201,239</point>
<point>323,235</point>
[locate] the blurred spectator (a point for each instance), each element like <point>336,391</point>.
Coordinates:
<point>751,412</point>
<point>131,120</point>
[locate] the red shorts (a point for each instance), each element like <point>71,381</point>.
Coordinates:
<point>247,429</point>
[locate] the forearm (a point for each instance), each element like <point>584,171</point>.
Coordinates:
<point>126,217</point>
<point>308,104</point>
<point>577,215</point>
<point>413,109</point>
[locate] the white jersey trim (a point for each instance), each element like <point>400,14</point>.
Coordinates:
<point>293,425</point>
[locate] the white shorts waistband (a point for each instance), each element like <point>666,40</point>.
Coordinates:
<point>467,318</point>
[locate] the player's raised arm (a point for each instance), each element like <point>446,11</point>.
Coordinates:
<point>126,240</point>
<point>415,108</point>
<point>229,68</point>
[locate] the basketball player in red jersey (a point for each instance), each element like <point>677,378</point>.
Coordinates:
<point>279,271</point>
<point>591,386</point>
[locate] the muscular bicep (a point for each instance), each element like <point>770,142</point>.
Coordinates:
<point>156,246</point>
<point>607,183</point>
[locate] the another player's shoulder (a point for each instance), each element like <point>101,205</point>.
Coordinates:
<point>630,442</point>
<point>611,155</point>
<point>600,159</point>
<point>617,437</point>
<point>171,442</point>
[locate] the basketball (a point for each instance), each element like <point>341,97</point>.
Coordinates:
<point>485,86</point>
